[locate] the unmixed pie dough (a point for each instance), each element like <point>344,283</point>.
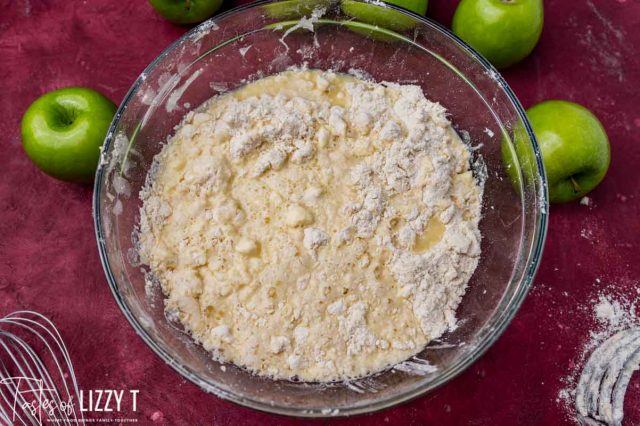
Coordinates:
<point>313,225</point>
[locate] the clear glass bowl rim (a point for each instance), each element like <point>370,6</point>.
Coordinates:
<point>501,323</point>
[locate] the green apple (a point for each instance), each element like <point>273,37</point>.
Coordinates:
<point>186,11</point>
<point>573,144</point>
<point>63,130</point>
<point>292,9</point>
<point>384,17</point>
<point>504,31</point>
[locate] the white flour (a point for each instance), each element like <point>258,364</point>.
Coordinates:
<point>314,225</point>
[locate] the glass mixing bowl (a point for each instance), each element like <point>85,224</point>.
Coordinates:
<point>268,37</point>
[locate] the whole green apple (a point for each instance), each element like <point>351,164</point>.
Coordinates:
<point>574,147</point>
<point>292,9</point>
<point>385,17</point>
<point>63,130</point>
<point>503,31</point>
<point>186,11</point>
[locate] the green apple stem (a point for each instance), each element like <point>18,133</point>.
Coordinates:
<point>576,185</point>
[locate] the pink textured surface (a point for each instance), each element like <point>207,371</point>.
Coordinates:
<point>49,261</point>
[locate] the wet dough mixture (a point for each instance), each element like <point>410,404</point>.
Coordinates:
<point>313,225</point>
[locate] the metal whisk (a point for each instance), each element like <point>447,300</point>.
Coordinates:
<point>37,381</point>
<point>604,380</point>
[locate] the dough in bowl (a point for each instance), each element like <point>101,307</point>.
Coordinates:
<point>313,225</point>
